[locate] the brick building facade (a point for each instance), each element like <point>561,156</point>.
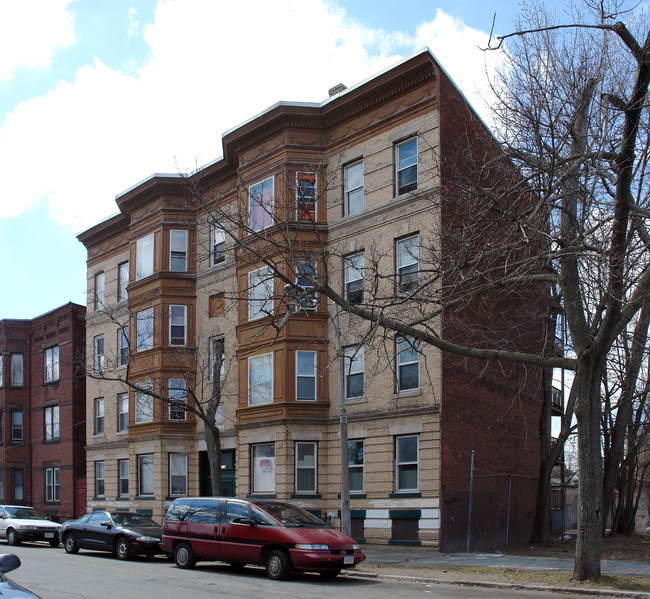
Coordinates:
<point>350,181</point>
<point>43,412</point>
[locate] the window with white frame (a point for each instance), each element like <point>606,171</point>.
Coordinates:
<point>353,188</point>
<point>122,281</point>
<point>305,269</point>
<point>260,379</point>
<point>123,346</point>
<point>52,428</point>
<point>145,474</point>
<point>353,272</point>
<point>177,325</point>
<point>406,163</point>
<point>144,329</point>
<point>260,205</point>
<point>260,293</point>
<point>122,412</point>
<point>144,252</point>
<point>217,244</point>
<point>52,484</point>
<point>177,474</point>
<point>17,371</point>
<point>100,358</point>
<point>123,477</point>
<point>306,376</point>
<point>354,371</point>
<point>408,364</point>
<point>99,415</point>
<point>217,351</point>
<point>51,364</point>
<point>18,483</point>
<point>355,465</point>
<point>178,397</point>
<point>99,478</point>
<point>178,250</point>
<point>263,467</point>
<point>16,426</point>
<point>406,463</point>
<point>408,264</point>
<point>306,460</point>
<point>306,196</point>
<point>144,402</point>
<point>100,287</point>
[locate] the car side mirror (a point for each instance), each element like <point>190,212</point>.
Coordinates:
<point>9,562</point>
<point>106,524</point>
<point>245,521</point>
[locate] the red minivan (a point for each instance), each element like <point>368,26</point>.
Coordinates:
<point>279,536</point>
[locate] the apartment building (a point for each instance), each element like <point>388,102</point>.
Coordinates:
<point>43,412</point>
<point>348,192</point>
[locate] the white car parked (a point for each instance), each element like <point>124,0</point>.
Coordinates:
<point>21,523</point>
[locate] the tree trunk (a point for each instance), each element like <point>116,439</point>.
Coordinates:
<point>213,442</point>
<point>590,471</point>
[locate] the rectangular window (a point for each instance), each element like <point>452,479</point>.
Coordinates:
<point>406,162</point>
<point>100,286</point>
<point>260,205</point>
<point>406,463</point>
<point>18,482</point>
<point>306,376</point>
<point>353,188</point>
<point>144,329</point>
<point>177,474</point>
<point>408,264</point>
<point>144,251</point>
<point>408,364</point>
<point>144,402</point>
<point>354,371</point>
<point>17,377</point>
<point>122,412</point>
<point>51,423</point>
<point>100,358</point>
<point>263,467</point>
<point>217,244</point>
<point>51,364</point>
<point>260,379</point>
<point>2,376</point>
<point>177,325</point>
<point>123,477</point>
<point>305,467</point>
<point>355,466</point>
<point>99,479</point>
<point>52,484</point>
<point>16,426</point>
<point>306,196</point>
<point>145,474</point>
<point>260,293</point>
<point>307,269</point>
<point>99,415</point>
<point>217,351</point>
<point>123,346</point>
<point>177,395</point>
<point>122,281</point>
<point>354,284</point>
<point>178,250</point>
<point>2,484</point>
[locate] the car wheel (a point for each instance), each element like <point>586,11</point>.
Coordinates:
<point>70,544</point>
<point>12,537</point>
<point>329,574</point>
<point>184,556</point>
<point>54,543</point>
<point>123,548</point>
<point>277,564</point>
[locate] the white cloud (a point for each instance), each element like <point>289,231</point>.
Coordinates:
<point>212,67</point>
<point>134,26</point>
<point>31,31</point>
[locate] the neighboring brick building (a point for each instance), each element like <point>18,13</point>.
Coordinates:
<point>356,175</point>
<point>43,412</point>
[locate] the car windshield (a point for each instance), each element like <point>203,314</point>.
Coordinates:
<point>24,513</point>
<point>132,520</point>
<point>291,516</point>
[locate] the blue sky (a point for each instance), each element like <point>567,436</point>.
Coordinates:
<point>95,95</point>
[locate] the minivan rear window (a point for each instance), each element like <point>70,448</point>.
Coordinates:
<point>194,510</point>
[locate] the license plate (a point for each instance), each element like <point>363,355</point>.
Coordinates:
<point>348,559</point>
<point>49,535</point>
